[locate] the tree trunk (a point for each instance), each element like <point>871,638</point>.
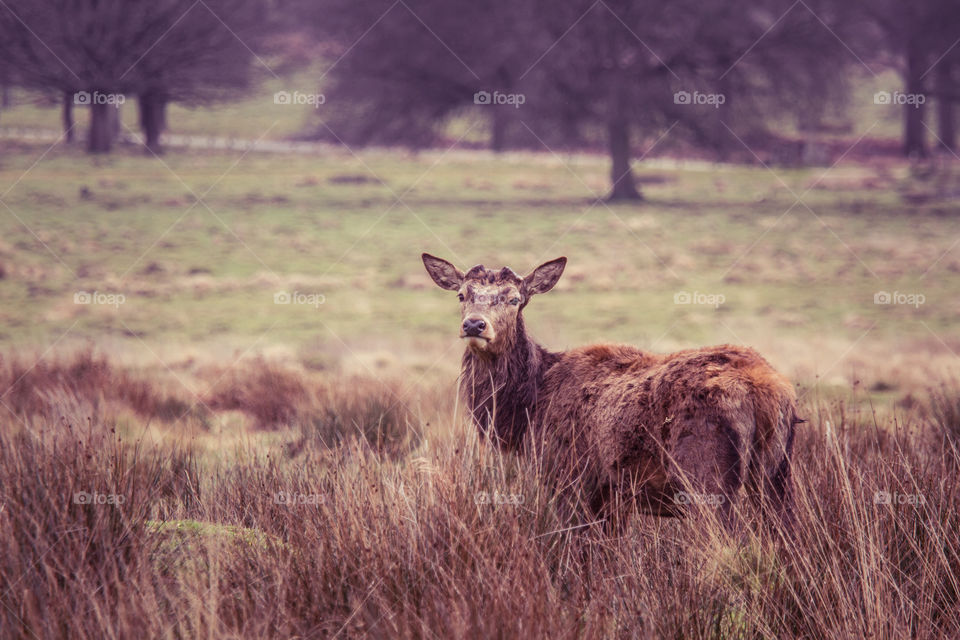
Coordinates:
<point>498,134</point>
<point>914,140</point>
<point>946,125</point>
<point>100,139</point>
<point>623,185</point>
<point>67,116</point>
<point>621,176</point>
<point>115,122</point>
<point>152,120</point>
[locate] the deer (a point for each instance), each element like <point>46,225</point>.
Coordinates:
<point>664,432</point>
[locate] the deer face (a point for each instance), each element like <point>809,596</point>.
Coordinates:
<point>491,301</point>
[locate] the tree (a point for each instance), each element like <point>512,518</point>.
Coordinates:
<point>714,74</point>
<point>160,50</point>
<point>916,40</point>
<point>402,68</point>
<point>947,94</point>
<point>6,75</point>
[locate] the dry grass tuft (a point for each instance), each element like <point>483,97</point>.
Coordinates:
<point>39,389</point>
<point>265,391</point>
<point>326,409</point>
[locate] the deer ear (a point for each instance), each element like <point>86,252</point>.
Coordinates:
<point>545,276</point>
<point>443,273</point>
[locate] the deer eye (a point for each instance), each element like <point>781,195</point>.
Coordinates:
<point>460,297</point>
<point>515,301</point>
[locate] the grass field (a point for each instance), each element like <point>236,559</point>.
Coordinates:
<point>184,387</point>
<point>199,244</point>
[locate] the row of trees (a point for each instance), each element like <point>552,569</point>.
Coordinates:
<point>584,68</point>
<point>717,73</point>
<point>563,74</point>
<point>88,52</point>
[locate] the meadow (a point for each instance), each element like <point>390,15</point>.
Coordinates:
<point>228,408</point>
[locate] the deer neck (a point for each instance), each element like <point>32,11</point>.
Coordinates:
<point>501,391</point>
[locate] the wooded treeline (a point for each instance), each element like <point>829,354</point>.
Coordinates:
<point>546,74</point>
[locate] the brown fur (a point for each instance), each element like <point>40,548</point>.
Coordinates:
<point>632,424</point>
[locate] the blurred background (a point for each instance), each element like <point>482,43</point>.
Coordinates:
<point>186,182</point>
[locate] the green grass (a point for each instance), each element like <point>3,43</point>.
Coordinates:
<point>132,224</point>
<point>178,535</point>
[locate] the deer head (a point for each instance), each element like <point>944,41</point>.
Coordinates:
<point>491,301</point>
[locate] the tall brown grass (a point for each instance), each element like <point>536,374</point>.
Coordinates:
<point>320,530</point>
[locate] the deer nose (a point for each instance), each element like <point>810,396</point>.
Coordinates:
<point>474,326</point>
